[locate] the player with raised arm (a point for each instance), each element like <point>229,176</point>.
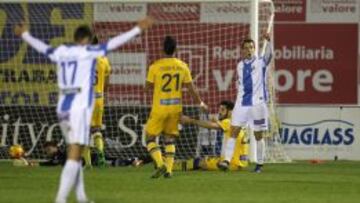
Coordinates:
<point>239,159</point>
<point>251,101</point>
<point>75,76</point>
<point>166,77</point>
<point>102,73</point>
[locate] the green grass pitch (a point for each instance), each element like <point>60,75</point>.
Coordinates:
<point>297,182</point>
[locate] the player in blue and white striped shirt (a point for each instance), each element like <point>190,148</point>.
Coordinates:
<point>75,76</point>
<point>250,107</point>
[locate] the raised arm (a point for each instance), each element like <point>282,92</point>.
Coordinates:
<point>268,50</point>
<point>121,39</point>
<point>21,31</point>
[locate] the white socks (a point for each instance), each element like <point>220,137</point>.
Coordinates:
<point>71,176</point>
<point>260,151</point>
<point>80,187</point>
<point>229,148</point>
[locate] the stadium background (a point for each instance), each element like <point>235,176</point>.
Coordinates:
<point>317,70</point>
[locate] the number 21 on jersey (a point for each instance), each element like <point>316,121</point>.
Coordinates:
<point>168,81</point>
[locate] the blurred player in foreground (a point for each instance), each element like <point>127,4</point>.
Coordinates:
<point>240,157</point>
<point>167,77</point>
<point>103,70</point>
<point>250,106</point>
<point>76,74</point>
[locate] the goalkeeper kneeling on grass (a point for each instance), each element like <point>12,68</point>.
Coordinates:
<point>240,157</point>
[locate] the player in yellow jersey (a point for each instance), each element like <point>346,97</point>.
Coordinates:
<point>103,70</point>
<point>240,157</point>
<point>166,77</point>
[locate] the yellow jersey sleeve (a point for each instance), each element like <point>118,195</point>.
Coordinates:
<point>225,124</point>
<point>151,74</point>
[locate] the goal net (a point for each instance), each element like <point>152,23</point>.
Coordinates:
<point>208,34</point>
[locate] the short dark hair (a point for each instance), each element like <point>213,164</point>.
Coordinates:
<point>169,45</point>
<point>82,32</point>
<point>228,104</point>
<point>247,40</point>
<point>95,40</point>
<point>50,144</point>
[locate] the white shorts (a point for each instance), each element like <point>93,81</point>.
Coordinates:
<point>256,116</point>
<point>75,117</point>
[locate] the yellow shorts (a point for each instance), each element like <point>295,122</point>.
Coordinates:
<point>164,122</point>
<point>97,116</point>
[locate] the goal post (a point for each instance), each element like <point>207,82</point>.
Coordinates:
<point>209,34</point>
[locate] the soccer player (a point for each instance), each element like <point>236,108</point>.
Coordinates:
<point>166,77</point>
<point>239,159</point>
<point>75,73</point>
<point>55,155</point>
<point>103,70</point>
<point>250,106</point>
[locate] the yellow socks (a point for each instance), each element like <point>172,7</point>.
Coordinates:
<point>155,153</point>
<point>169,157</point>
<point>99,143</point>
<point>87,156</point>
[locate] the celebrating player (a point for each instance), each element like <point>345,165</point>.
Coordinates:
<point>103,70</point>
<point>250,102</point>
<point>166,77</point>
<point>239,159</point>
<point>75,73</point>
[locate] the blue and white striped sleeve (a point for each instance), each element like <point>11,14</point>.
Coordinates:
<point>51,54</point>
<point>268,54</point>
<point>39,46</point>
<point>113,43</point>
<point>97,50</point>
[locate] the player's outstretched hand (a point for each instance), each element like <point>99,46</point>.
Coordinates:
<point>204,107</point>
<point>214,119</point>
<point>186,119</point>
<point>19,29</point>
<point>146,23</point>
